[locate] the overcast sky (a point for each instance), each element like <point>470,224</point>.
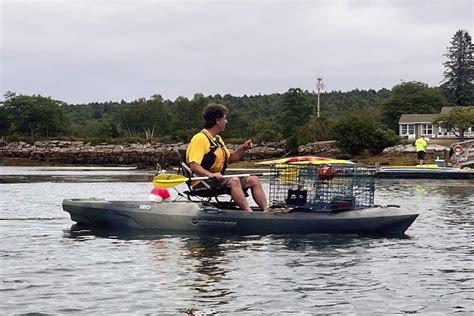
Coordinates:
<point>101,50</point>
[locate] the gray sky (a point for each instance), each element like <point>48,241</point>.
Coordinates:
<point>101,50</point>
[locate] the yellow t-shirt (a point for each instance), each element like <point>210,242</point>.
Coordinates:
<point>200,146</point>
<point>420,144</point>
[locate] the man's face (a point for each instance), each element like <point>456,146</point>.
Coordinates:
<point>222,122</point>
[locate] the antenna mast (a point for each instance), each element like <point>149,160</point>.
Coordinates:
<point>319,87</point>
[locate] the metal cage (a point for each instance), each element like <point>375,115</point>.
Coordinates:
<point>322,187</point>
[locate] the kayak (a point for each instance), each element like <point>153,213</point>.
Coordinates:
<point>191,216</point>
<point>424,172</point>
<point>303,160</point>
<point>417,167</point>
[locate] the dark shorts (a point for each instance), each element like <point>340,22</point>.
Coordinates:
<point>420,155</point>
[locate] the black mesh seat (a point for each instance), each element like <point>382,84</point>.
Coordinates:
<point>199,190</point>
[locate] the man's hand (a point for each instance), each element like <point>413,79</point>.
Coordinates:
<point>200,171</point>
<point>247,145</point>
<point>217,175</point>
<point>236,155</point>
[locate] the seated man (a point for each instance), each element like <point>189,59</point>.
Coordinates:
<point>208,156</point>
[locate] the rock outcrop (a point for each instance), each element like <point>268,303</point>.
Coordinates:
<point>78,152</point>
<point>409,148</point>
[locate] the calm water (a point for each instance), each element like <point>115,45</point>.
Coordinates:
<point>49,266</point>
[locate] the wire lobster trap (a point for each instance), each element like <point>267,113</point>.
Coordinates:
<point>322,187</point>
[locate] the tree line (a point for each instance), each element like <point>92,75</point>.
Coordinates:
<point>358,119</point>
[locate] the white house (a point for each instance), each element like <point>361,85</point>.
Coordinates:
<point>412,126</point>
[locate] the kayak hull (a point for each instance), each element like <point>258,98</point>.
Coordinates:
<point>196,217</point>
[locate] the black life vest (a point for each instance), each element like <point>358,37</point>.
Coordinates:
<point>210,158</point>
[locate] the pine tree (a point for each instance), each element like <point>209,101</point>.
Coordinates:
<point>458,85</point>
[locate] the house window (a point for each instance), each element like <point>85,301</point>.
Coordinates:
<point>443,131</point>
<point>407,129</point>
<point>426,129</point>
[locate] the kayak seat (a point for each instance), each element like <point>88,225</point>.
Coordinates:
<point>207,192</point>
<point>202,189</point>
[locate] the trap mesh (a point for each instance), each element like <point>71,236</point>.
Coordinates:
<point>322,187</point>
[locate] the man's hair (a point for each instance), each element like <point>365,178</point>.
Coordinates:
<point>213,112</point>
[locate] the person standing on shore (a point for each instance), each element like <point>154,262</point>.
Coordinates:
<point>420,145</point>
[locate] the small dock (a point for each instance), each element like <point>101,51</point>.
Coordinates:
<point>462,159</point>
<point>422,172</point>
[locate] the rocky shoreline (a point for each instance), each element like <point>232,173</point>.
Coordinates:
<point>149,154</point>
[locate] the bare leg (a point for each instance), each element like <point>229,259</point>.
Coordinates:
<point>258,194</point>
<point>237,194</point>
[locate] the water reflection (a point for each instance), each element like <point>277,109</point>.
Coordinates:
<point>440,202</point>
<point>207,264</point>
<point>330,242</point>
<point>208,245</point>
<point>420,190</point>
<point>202,259</point>
<point>456,194</point>
<point>210,269</point>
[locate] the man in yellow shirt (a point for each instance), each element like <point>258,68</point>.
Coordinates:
<point>420,145</point>
<point>208,156</point>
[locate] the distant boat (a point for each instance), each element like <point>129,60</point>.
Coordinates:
<point>431,171</point>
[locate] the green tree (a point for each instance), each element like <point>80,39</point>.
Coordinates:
<point>35,115</point>
<point>408,98</point>
<point>262,129</point>
<point>458,120</point>
<point>316,129</point>
<point>296,109</point>
<point>238,125</point>
<point>148,116</point>
<point>129,118</point>
<point>458,83</point>
<point>358,132</point>
<point>107,127</point>
<point>4,122</point>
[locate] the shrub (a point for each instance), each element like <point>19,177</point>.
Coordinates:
<point>292,144</point>
<point>356,133</point>
<point>317,129</point>
<point>268,135</point>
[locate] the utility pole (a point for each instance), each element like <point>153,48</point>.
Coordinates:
<point>319,87</point>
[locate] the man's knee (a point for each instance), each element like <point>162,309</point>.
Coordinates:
<point>253,181</point>
<point>234,182</point>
